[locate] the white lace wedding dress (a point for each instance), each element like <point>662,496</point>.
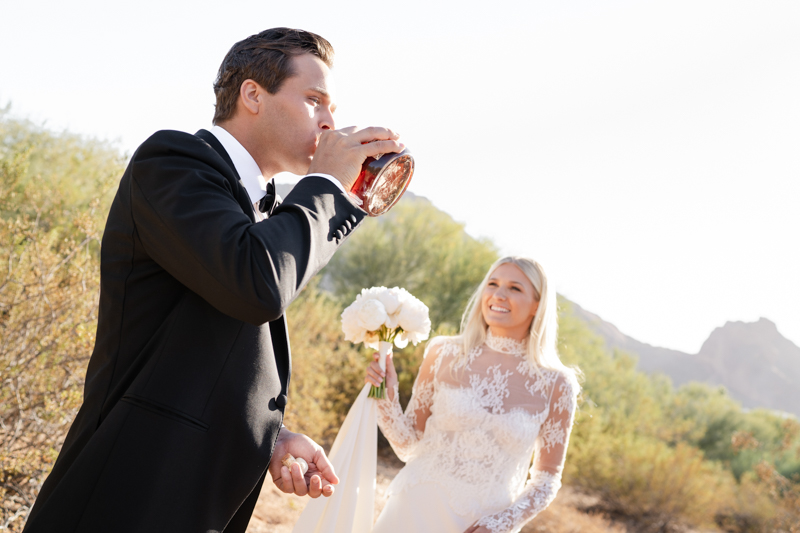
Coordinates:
<point>468,436</point>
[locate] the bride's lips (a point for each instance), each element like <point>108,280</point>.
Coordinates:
<point>499,309</point>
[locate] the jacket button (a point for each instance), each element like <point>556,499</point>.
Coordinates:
<point>348,224</point>
<point>339,234</point>
<point>281,401</point>
<point>353,219</point>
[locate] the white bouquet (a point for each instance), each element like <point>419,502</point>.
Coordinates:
<point>380,316</point>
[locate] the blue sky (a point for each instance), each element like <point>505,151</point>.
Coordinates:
<point>646,152</point>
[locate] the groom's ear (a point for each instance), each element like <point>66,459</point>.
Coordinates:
<point>251,97</point>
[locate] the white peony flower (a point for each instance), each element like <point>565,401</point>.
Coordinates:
<point>353,331</point>
<point>372,315</point>
<point>415,337</point>
<point>391,299</point>
<point>414,319</point>
<point>404,317</point>
<point>371,294</point>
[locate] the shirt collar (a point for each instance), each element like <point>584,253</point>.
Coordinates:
<point>249,173</point>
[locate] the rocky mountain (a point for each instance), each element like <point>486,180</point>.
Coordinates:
<point>759,366</point>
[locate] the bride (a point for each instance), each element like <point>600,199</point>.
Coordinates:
<point>483,404</point>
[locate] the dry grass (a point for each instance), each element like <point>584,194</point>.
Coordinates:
<point>565,515</point>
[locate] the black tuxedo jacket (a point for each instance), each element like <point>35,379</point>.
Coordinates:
<point>187,384</point>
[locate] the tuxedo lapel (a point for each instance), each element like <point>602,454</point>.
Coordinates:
<point>242,197</point>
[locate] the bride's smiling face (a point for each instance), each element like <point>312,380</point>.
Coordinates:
<point>508,302</point>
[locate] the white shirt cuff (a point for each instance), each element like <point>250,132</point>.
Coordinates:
<point>353,198</point>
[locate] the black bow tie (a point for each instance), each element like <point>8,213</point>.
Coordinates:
<point>267,203</point>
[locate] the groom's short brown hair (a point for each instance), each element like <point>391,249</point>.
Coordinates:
<point>264,58</point>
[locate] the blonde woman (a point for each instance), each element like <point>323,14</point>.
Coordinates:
<point>483,404</point>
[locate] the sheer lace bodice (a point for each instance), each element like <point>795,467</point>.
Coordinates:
<point>474,427</point>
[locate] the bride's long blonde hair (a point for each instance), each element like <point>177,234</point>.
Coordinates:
<point>543,335</point>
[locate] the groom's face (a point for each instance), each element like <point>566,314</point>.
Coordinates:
<point>297,114</point>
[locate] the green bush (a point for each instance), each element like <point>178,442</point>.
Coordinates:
<point>53,196</point>
<point>667,457</point>
<point>659,485</point>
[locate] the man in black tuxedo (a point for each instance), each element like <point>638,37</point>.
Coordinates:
<point>188,381</point>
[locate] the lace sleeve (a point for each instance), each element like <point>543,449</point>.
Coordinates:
<point>545,474</point>
<point>404,430</point>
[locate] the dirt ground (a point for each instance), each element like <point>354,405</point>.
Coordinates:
<point>277,512</point>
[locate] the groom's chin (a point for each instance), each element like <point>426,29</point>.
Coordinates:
<point>301,168</point>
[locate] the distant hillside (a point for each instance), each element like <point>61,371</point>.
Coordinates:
<point>759,366</point>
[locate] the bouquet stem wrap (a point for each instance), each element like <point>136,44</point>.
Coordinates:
<point>383,352</point>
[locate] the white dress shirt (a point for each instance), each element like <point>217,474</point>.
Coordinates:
<point>250,175</point>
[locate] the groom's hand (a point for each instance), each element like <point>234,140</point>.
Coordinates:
<point>340,153</point>
<point>320,477</point>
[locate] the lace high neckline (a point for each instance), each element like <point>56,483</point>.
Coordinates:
<point>506,344</point>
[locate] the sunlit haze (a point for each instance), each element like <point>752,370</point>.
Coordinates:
<point>648,153</point>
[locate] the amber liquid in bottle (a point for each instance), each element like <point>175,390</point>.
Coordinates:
<point>383,181</point>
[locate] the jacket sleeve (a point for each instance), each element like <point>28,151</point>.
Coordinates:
<point>189,222</point>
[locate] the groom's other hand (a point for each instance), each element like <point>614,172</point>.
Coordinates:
<point>340,153</point>
<point>319,479</point>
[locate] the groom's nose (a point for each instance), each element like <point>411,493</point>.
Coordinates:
<point>326,121</point>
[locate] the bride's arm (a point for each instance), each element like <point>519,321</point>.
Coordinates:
<point>551,450</point>
<point>404,430</point>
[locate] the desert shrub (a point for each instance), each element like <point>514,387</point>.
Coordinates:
<point>75,175</point>
<point>750,510</point>
<point>49,218</point>
<point>617,450</point>
<point>705,417</point>
<point>712,421</point>
<point>785,495</point>
<point>327,371</point>
<point>630,401</point>
<point>766,500</point>
<point>658,485</point>
<point>664,457</point>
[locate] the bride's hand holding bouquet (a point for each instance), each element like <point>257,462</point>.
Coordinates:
<point>376,375</point>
